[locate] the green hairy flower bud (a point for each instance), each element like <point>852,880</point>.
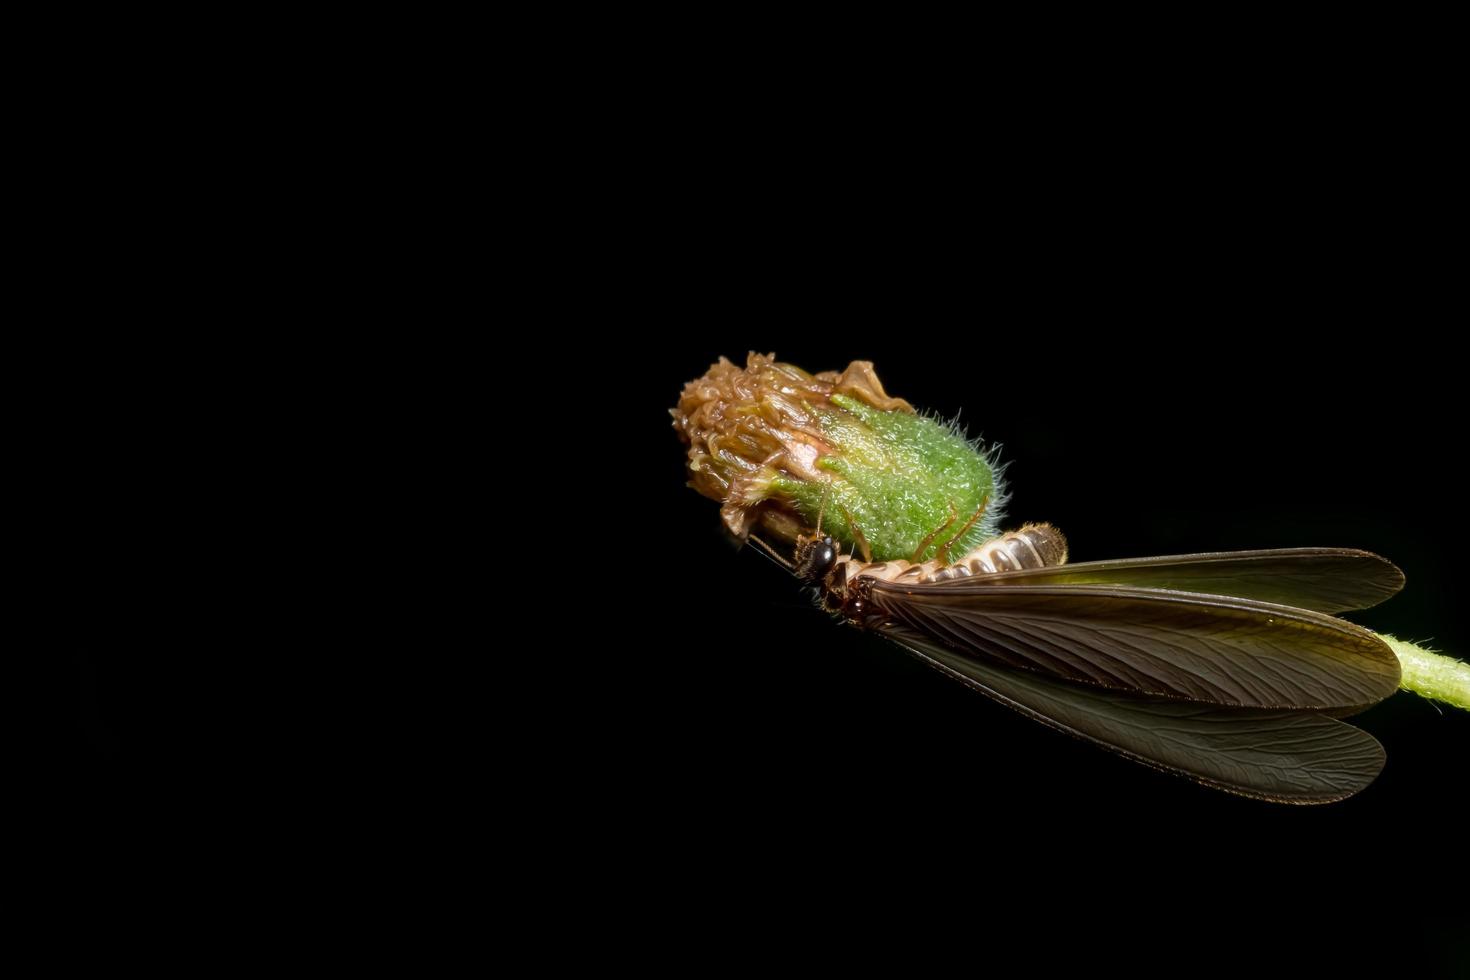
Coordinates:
<point>781,449</point>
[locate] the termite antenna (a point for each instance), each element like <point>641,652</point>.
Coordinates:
<point>771,553</point>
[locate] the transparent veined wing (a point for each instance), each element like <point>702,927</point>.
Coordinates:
<point>1208,648</point>
<point>1278,755</point>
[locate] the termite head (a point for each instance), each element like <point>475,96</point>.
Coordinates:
<point>815,556</point>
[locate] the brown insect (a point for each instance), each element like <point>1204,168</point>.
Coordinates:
<point>1227,668</point>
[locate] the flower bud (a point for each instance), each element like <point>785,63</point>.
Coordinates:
<point>781,449</point>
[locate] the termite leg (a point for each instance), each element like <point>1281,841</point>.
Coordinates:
<point>929,538</point>
<point>944,550</point>
<point>857,534</point>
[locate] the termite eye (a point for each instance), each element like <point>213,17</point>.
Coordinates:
<point>816,559</point>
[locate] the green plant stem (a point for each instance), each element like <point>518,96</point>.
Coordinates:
<point>1432,675</point>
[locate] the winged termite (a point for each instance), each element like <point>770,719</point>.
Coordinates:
<point>1228,668</point>
<point>1233,691</point>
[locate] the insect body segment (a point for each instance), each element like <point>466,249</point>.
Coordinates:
<point>1033,546</point>
<point>845,580</point>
